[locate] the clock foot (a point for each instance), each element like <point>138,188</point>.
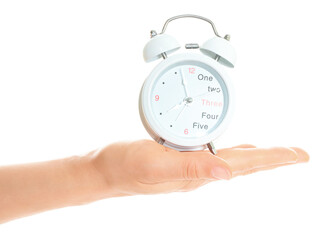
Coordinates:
<point>161,141</point>
<point>211,148</point>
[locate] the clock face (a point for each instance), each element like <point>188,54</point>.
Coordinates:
<point>189,100</point>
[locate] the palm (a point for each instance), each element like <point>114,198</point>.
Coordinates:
<point>146,167</point>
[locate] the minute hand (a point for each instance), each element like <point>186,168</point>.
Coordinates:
<point>201,95</point>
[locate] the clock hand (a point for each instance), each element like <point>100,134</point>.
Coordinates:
<point>202,95</point>
<point>176,106</point>
<point>184,82</point>
<point>185,102</point>
<point>181,112</point>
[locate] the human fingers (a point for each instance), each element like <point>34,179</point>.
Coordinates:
<point>244,146</point>
<point>174,186</point>
<point>303,157</point>
<point>192,166</point>
<point>246,161</point>
<point>302,154</point>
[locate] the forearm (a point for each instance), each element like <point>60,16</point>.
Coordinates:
<point>31,188</point>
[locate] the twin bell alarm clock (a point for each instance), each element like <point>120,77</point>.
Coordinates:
<point>187,100</point>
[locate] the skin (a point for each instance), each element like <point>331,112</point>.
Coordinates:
<point>125,169</point>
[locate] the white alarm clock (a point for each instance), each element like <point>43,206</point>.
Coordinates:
<point>187,100</point>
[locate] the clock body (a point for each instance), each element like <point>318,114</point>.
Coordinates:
<point>186,102</point>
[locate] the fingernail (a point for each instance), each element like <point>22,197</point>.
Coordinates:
<point>221,173</point>
<point>302,155</point>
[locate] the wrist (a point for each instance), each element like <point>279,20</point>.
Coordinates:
<point>91,183</point>
<point>109,167</point>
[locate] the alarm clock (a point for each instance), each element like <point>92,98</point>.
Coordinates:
<point>187,100</point>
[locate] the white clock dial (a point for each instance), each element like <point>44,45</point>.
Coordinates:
<point>189,100</point>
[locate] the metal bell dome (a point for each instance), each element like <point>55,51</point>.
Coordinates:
<point>158,46</point>
<point>220,49</point>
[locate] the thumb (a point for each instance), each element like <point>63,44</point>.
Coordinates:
<point>196,166</point>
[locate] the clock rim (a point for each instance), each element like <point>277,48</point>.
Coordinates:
<point>157,132</point>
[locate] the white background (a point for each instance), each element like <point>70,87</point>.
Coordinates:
<point>70,75</point>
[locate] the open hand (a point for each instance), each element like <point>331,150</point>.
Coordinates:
<point>123,169</point>
<point>146,167</point>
